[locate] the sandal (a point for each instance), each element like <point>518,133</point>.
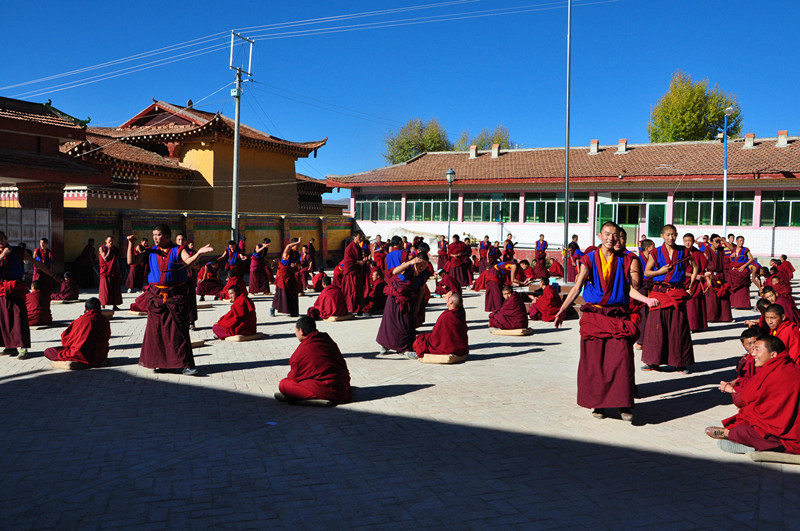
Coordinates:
<point>716,433</point>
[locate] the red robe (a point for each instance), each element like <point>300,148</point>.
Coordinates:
<point>458,265</point>
<point>330,303</point>
<point>110,288</point>
<point>546,306</point>
<point>316,282</point>
<point>556,270</point>
<point>240,319</point>
<point>69,291</point>
<point>789,333</point>
<point>772,403</point>
<point>140,304</point>
<point>789,308</point>
<point>375,300</point>
<point>233,281</point>
<point>512,315</point>
<point>448,283</point>
<point>84,341</point>
<point>38,303</point>
<point>318,370</point>
<point>786,268</point>
<point>353,278</point>
<point>449,336</point>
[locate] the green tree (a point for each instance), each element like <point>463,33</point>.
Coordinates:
<point>485,139</point>
<point>414,138</point>
<point>692,111</point>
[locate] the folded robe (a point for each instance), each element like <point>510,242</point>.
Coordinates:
<point>318,366</point>
<point>772,402</point>
<point>448,283</point>
<point>84,341</point>
<point>375,300</point>
<point>233,281</point>
<point>38,304</point>
<point>241,318</point>
<point>789,308</point>
<point>546,306</point>
<point>673,298</point>
<point>605,323</point>
<point>512,314</point>
<point>449,336</point>
<point>556,270</point>
<point>330,303</point>
<point>140,304</point>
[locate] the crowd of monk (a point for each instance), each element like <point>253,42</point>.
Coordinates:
<point>650,301</point>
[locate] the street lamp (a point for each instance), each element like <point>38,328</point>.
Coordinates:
<point>451,176</point>
<point>728,112</point>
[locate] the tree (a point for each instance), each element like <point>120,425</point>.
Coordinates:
<point>414,138</point>
<point>485,139</point>
<point>692,111</point>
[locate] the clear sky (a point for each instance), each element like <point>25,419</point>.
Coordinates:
<point>354,86</point>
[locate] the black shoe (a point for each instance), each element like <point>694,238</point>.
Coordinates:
<point>190,371</point>
<point>626,414</point>
<point>202,298</point>
<point>599,413</point>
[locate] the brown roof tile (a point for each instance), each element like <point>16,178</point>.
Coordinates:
<point>42,113</point>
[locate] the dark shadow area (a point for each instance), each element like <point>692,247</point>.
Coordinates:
<point>711,340</point>
<point>377,392</point>
<point>477,356</point>
<point>727,326</point>
<point>158,453</point>
<point>214,368</point>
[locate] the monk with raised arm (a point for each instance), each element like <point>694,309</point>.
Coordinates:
<point>285,298</point>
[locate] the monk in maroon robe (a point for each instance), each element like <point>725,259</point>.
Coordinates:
<point>110,286</point>
<point>85,341</point>
<point>136,273</point>
<point>783,329</point>
<point>237,281</point>
<point>696,304</point>
<point>85,265</point>
<point>546,306</point>
<point>240,320</point>
<point>788,305</point>
<point>745,368</point>
<point>69,290</point>
<point>285,298</point>
<point>208,281</point>
<point>540,258</point>
<point>405,293</point>
<point>375,301</point>
<point>458,261</point>
<point>258,273</point>
<point>38,304</point>
<point>330,302</point>
<point>512,315</point>
<point>449,334</point>
<point>316,282</point>
<point>717,291</point>
<point>739,276</point>
<point>317,368</point>
<point>768,421</point>
<point>788,267</point>
<point>140,303</point>
<point>447,284</point>
<point>556,269</point>
<point>353,274</point>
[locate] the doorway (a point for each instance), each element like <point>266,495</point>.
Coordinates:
<point>628,219</point>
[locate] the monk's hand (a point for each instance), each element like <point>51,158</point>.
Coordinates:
<point>652,303</point>
<point>206,249</point>
<point>741,269</point>
<point>559,318</point>
<point>132,238</point>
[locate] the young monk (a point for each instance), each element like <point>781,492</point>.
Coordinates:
<point>285,298</point>
<point>330,303</point>
<point>546,306</point>
<point>540,258</point>
<point>84,344</point>
<point>110,287</point>
<point>38,305</point>
<point>404,290</point>
<point>45,255</point>
<point>259,283</point>
<point>667,338</point>
<point>789,307</point>
<point>646,248</point>
<point>136,273</point>
<point>240,320</point>
<point>316,281</point>
<point>447,284</point>
<point>760,323</point>
<point>353,275</point>
<point>233,280</point>
<point>375,301</point>
<point>512,315</point>
<point>508,249</point>
<point>784,330</point>
<point>233,258</point>
<point>573,255</point>
<point>745,368</point>
<point>717,295</point>
<point>496,277</point>
<point>458,265</point>
<point>740,276</point>
<point>69,290</point>
<point>605,369</point>
<point>768,420</point>
<point>556,269</point>
<point>696,304</point>
<point>208,281</point>
<point>449,334</point>
<point>317,368</point>
<point>441,252</point>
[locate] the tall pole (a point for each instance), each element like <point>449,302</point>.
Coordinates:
<point>566,147</point>
<point>449,206</point>
<point>725,180</point>
<point>237,95</point>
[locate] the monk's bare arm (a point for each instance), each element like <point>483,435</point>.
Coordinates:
<point>38,265</point>
<point>635,274</point>
<point>134,259</point>
<point>650,271</point>
<point>583,272</point>
<point>189,260</point>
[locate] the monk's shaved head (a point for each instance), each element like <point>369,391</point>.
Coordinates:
<point>454,302</point>
<point>306,325</point>
<point>92,303</point>
<point>773,344</point>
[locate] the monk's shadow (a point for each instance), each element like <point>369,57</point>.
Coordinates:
<point>375,355</point>
<point>377,392</point>
<point>679,406</point>
<point>216,368</point>
<point>710,340</point>
<point>126,346</point>
<point>121,361</point>
<point>677,383</point>
<point>729,326</point>
<point>476,356</point>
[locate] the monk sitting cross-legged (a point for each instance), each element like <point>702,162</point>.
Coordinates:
<point>513,314</point>
<point>449,334</point>
<point>241,318</point>
<point>330,303</point>
<point>85,341</point>
<point>745,368</point>
<point>38,304</point>
<point>317,368</point>
<point>546,306</point>
<point>69,290</point>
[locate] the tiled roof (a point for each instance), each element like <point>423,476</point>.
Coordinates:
<point>36,112</point>
<point>35,161</point>
<point>667,161</point>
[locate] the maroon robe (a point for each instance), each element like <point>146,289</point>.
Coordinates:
<point>449,336</point>
<point>556,270</point>
<point>458,265</point>
<point>789,309</point>
<point>546,306</point>
<point>240,319</point>
<point>353,278</point>
<point>208,281</point>
<point>667,339</point>
<point>140,304</point>
<point>166,343</point>
<point>448,283</point>
<point>110,287</point>
<point>717,296</point>
<point>38,305</point>
<point>316,282</point>
<point>285,298</point>
<point>233,281</point>
<point>740,287</point>
<point>696,305</point>
<point>511,316</point>
<point>69,291</point>
<point>397,330</point>
<point>330,303</point>
<point>84,341</point>
<point>15,332</point>
<point>135,279</point>
<point>540,265</point>
<point>493,299</point>
<point>317,370</point>
<point>259,283</point>
<point>375,301</point>
<point>789,333</point>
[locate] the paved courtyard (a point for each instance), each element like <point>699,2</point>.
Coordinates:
<point>497,442</point>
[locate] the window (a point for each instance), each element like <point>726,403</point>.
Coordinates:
<point>549,207</point>
<point>378,207</point>
<point>705,208</point>
<point>491,207</point>
<point>430,207</point>
<point>780,209</point>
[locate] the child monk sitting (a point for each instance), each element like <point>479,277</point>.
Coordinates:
<point>512,314</point>
<point>38,304</point>
<point>233,280</point>
<point>546,305</point>
<point>745,369</point>
<point>784,330</point>
<point>330,303</point>
<point>317,368</point>
<point>84,342</point>
<point>69,290</point>
<point>375,301</point>
<point>449,334</point>
<point>241,318</point>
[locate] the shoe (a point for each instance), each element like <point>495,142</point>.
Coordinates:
<point>383,351</point>
<point>716,433</point>
<point>411,355</point>
<point>202,298</point>
<point>649,367</point>
<point>115,308</point>
<point>626,414</point>
<point>190,371</point>
<point>7,351</point>
<point>599,413</point>
<point>684,370</point>
<point>637,346</point>
<point>280,397</point>
<point>272,312</point>
<point>23,354</point>
<point>733,447</point>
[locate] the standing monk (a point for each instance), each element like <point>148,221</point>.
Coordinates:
<point>718,302</point>
<point>110,286</point>
<point>739,274</point>
<point>404,290</point>
<point>605,369</point>
<point>258,272</point>
<point>508,249</point>
<point>442,252</point>
<point>483,254</point>
<point>45,255</point>
<point>285,298</point>
<point>85,264</point>
<point>540,258</point>
<point>166,343</point>
<point>135,280</point>
<point>696,305</point>
<point>353,274</point>
<point>667,338</point>
<point>573,255</point>
<point>458,264</point>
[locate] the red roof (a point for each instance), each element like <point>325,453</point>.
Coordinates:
<point>669,161</point>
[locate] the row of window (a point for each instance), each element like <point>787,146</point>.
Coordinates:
<point>778,208</point>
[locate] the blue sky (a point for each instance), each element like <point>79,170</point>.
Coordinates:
<point>355,86</point>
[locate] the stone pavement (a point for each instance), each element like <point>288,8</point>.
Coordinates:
<point>495,442</point>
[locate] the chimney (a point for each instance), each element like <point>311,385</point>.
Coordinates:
<point>783,139</point>
<point>593,145</point>
<point>473,152</point>
<point>623,146</point>
<point>749,140</point>
<point>495,150</point>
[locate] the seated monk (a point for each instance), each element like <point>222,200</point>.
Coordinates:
<point>69,290</point>
<point>38,303</point>
<point>446,284</point>
<point>784,330</point>
<point>745,368</point>
<point>789,307</point>
<point>769,420</point>
<point>240,319</point>
<point>546,305</point>
<point>556,269</point>
<point>140,304</point>
<point>760,323</point>
<point>449,334</point>
<point>208,281</point>
<point>85,341</point>
<point>375,300</point>
<point>513,314</point>
<point>233,280</point>
<point>317,368</point>
<point>330,302</point>
<point>525,272</point>
<point>316,282</point>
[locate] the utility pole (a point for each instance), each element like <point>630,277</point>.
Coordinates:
<point>566,146</point>
<point>237,95</point>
